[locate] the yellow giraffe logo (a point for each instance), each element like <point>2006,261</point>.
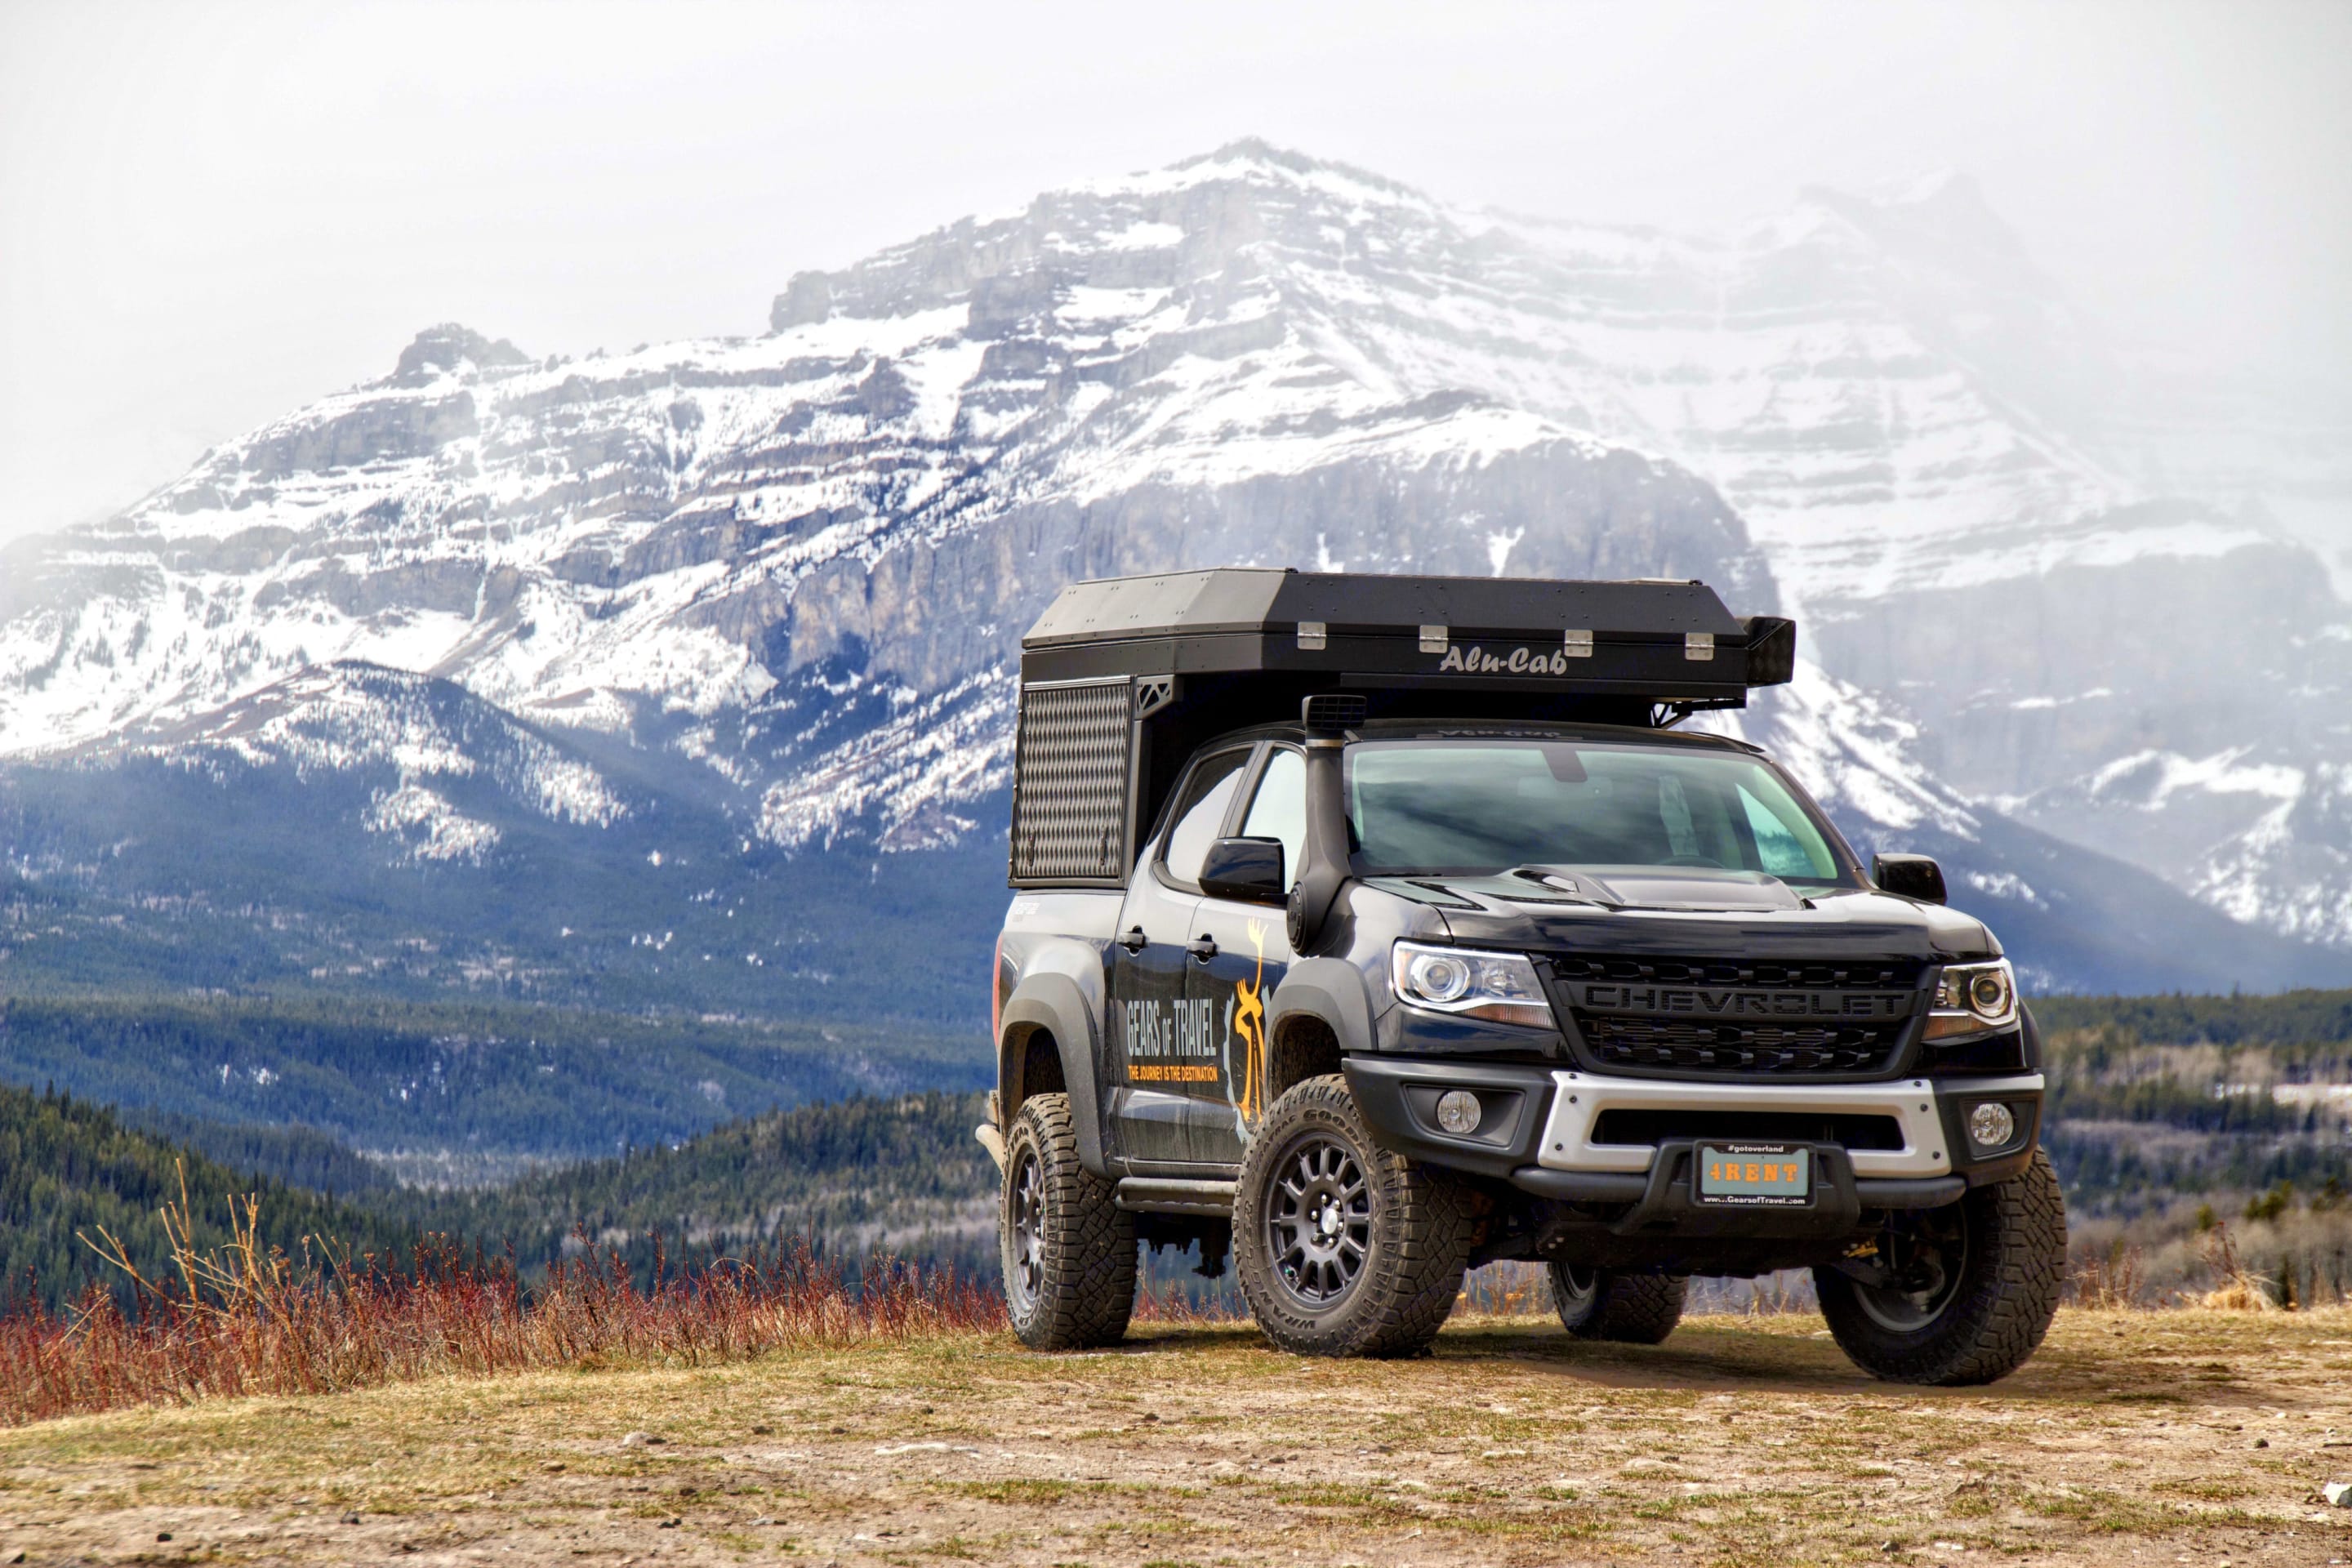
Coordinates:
<point>1249,1023</point>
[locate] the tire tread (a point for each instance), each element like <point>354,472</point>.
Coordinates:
<point>2000,1322</point>
<point>1088,1292</point>
<point>1410,1285</point>
<point>1635,1309</point>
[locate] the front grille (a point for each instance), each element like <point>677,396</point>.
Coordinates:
<point>1699,1018</point>
<point>1622,1041</point>
<point>1884,974</point>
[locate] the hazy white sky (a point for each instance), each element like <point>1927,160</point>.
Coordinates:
<point>211,212</point>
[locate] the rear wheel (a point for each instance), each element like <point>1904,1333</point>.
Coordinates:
<point>1343,1248</point>
<point>1068,1249</point>
<point>1628,1308</point>
<point>1960,1294</point>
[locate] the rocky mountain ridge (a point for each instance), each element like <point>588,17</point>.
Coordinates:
<point>780,581</point>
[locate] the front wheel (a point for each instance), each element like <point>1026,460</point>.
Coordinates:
<point>1341,1247</point>
<point>1627,1309</point>
<point>1956,1295</point>
<point>1068,1249</point>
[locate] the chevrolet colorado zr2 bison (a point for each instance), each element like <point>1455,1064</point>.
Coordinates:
<point>1369,928</point>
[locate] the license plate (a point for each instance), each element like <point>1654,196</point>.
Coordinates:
<point>1755,1175</point>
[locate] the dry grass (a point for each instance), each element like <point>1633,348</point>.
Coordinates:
<point>2236,1288</point>
<point>2110,1284</point>
<point>2301,1257</point>
<point>345,1412</point>
<point>2133,1438</point>
<point>242,1319</point>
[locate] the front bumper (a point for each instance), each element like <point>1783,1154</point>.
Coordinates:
<point>1580,1099</point>
<point>1542,1127</point>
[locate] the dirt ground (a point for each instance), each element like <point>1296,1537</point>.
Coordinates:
<point>2132,1438</point>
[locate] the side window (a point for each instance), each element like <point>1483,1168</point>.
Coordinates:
<point>1278,810</point>
<point>1201,812</point>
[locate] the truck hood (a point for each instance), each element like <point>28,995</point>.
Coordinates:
<point>1687,910</point>
<point>1691,888</point>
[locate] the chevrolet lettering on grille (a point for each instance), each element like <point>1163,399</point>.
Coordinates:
<point>1725,1002</point>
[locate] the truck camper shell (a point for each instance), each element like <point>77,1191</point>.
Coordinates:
<point>1122,679</point>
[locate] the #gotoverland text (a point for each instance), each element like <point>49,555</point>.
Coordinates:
<point>1368,929</point>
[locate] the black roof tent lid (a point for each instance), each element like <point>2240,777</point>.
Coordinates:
<point>1123,679</point>
<point>1666,641</point>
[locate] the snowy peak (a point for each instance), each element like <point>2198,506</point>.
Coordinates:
<point>416,737</point>
<point>450,348</point>
<point>1164,229</point>
<point>660,538</point>
<point>2262,831</point>
<point>793,568</point>
<point>1943,216</point>
<point>1255,156</point>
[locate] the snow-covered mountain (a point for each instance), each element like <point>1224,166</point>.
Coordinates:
<point>778,582</point>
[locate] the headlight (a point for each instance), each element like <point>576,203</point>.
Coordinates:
<point>1497,985</point>
<point>1973,999</point>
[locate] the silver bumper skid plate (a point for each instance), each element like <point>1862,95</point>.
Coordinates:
<point>1581,1098</point>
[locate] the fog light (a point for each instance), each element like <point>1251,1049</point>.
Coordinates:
<point>1990,1125</point>
<point>1458,1112</point>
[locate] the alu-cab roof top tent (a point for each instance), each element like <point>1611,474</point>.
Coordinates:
<point>1122,678</point>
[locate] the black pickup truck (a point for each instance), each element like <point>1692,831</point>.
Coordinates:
<point>1369,928</point>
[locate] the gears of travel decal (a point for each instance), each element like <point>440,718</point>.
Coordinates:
<point>1247,1016</point>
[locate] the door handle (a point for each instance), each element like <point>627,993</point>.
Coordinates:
<point>1134,940</point>
<point>1203,948</point>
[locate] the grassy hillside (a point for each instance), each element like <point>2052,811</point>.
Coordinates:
<point>295,1155</point>
<point>2153,1099</point>
<point>2158,1105</point>
<point>2289,1018</point>
<point>474,1079</point>
<point>903,1175</point>
<point>69,1168</point>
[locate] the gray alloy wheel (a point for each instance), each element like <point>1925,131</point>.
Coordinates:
<point>1319,1219</point>
<point>1025,1220</point>
<point>1343,1248</point>
<point>1936,1253</point>
<point>1956,1295</point>
<point>1068,1249</point>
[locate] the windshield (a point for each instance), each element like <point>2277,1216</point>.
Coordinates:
<point>1486,805</point>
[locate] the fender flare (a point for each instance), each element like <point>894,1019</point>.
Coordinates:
<point>1329,989</point>
<point>1054,1003</point>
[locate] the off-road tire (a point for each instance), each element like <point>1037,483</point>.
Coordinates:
<point>1623,1309</point>
<point>1417,1235</point>
<point>1085,1267</point>
<point>2007,1294</point>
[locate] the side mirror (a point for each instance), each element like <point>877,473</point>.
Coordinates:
<point>1250,869</point>
<point>1911,876</point>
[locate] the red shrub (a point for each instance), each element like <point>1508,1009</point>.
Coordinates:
<point>244,1320</point>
